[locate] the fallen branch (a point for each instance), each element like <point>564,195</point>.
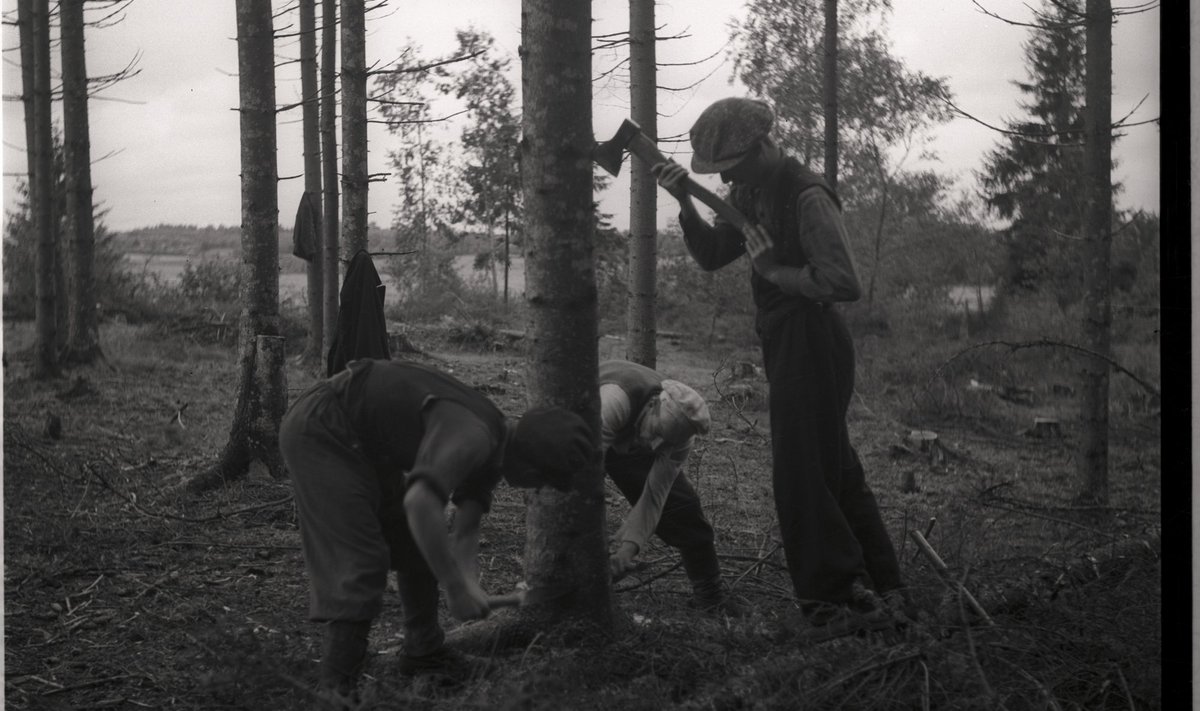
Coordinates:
<point>132,501</point>
<point>944,573</point>
<point>1047,343</point>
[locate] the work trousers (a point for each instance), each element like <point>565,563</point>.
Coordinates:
<point>352,524</point>
<point>682,524</point>
<point>829,521</point>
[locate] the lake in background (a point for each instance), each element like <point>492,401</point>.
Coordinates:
<point>294,286</point>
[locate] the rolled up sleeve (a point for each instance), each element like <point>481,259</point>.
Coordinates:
<point>643,518</point>
<point>830,274</point>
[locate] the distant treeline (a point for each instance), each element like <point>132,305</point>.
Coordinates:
<point>195,240</point>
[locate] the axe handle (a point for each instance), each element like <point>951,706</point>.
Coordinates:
<point>645,149</point>
<point>510,600</point>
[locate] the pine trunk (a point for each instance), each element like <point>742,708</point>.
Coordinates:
<point>354,126</point>
<point>262,391</point>
<point>1097,256</point>
<point>83,337</point>
<point>643,190</point>
<point>45,221</point>
<point>565,538</point>
<point>329,166</point>
<point>830,90</point>
<point>313,348</point>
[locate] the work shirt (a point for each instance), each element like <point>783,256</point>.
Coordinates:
<point>625,389</point>
<point>416,423</point>
<point>805,224</point>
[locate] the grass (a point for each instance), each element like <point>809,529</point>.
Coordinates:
<point>120,592</point>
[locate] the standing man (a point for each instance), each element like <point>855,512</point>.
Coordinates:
<point>833,537</point>
<point>375,453</point>
<point>647,424</point>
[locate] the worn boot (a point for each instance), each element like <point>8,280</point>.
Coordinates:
<point>708,588</point>
<point>343,655</point>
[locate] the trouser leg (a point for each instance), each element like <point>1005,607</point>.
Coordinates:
<point>807,424</point>
<point>856,498</point>
<point>337,498</point>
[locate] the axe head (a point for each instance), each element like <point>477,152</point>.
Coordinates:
<point>609,153</point>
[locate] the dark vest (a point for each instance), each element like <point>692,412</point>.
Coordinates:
<point>639,383</point>
<point>782,221</point>
<point>384,401</point>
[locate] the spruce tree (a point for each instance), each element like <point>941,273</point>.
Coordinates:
<point>1033,177</point>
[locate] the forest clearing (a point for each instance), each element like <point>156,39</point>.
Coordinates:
<point>123,592</point>
<point>886,281</point>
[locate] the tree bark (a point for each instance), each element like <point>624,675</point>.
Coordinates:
<point>46,329</point>
<point>565,538</point>
<point>830,90</point>
<point>329,163</point>
<point>1097,256</point>
<point>83,337</point>
<point>262,392</point>
<point>643,190</point>
<point>314,347</point>
<point>354,126</point>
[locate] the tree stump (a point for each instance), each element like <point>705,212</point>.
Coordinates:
<point>926,442</point>
<point>1045,428</point>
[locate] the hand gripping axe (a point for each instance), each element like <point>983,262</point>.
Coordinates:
<point>630,137</point>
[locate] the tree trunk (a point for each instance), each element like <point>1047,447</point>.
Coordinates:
<point>565,538</point>
<point>83,339</point>
<point>1097,254</point>
<point>643,191</point>
<point>262,392</point>
<point>830,90</point>
<point>45,221</point>
<point>354,126</point>
<point>329,163</point>
<point>313,349</point>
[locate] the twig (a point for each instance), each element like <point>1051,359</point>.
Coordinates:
<point>647,581</point>
<point>1047,343</point>
<point>757,564</point>
<point>132,501</point>
<point>987,687</point>
<point>944,573</point>
<point>866,670</point>
<point>89,684</point>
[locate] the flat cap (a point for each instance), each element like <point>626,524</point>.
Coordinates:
<point>726,131</point>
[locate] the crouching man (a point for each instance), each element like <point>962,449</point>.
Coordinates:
<point>647,426</point>
<point>375,453</point>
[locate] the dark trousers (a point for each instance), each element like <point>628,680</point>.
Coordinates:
<point>828,519</point>
<point>352,525</point>
<point>682,524</point>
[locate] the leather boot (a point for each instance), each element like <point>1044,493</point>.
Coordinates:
<point>343,655</point>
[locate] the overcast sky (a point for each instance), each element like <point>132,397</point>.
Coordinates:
<point>166,142</point>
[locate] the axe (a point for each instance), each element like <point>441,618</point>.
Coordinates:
<point>630,137</point>
<point>525,598</point>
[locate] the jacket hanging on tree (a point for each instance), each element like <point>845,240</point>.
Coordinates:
<point>361,326</point>
<point>304,234</point>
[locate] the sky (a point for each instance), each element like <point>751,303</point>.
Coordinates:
<point>165,143</point>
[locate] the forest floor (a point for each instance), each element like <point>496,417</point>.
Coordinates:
<point>122,592</point>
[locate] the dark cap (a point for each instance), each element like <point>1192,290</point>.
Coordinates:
<point>726,131</point>
<point>555,441</point>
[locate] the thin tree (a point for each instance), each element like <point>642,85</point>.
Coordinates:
<point>46,343</point>
<point>83,337</point>
<point>565,541</point>
<point>314,348</point>
<point>329,163</point>
<point>1097,253</point>
<point>830,89</point>
<point>643,192</point>
<point>262,391</point>
<point>355,180</point>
